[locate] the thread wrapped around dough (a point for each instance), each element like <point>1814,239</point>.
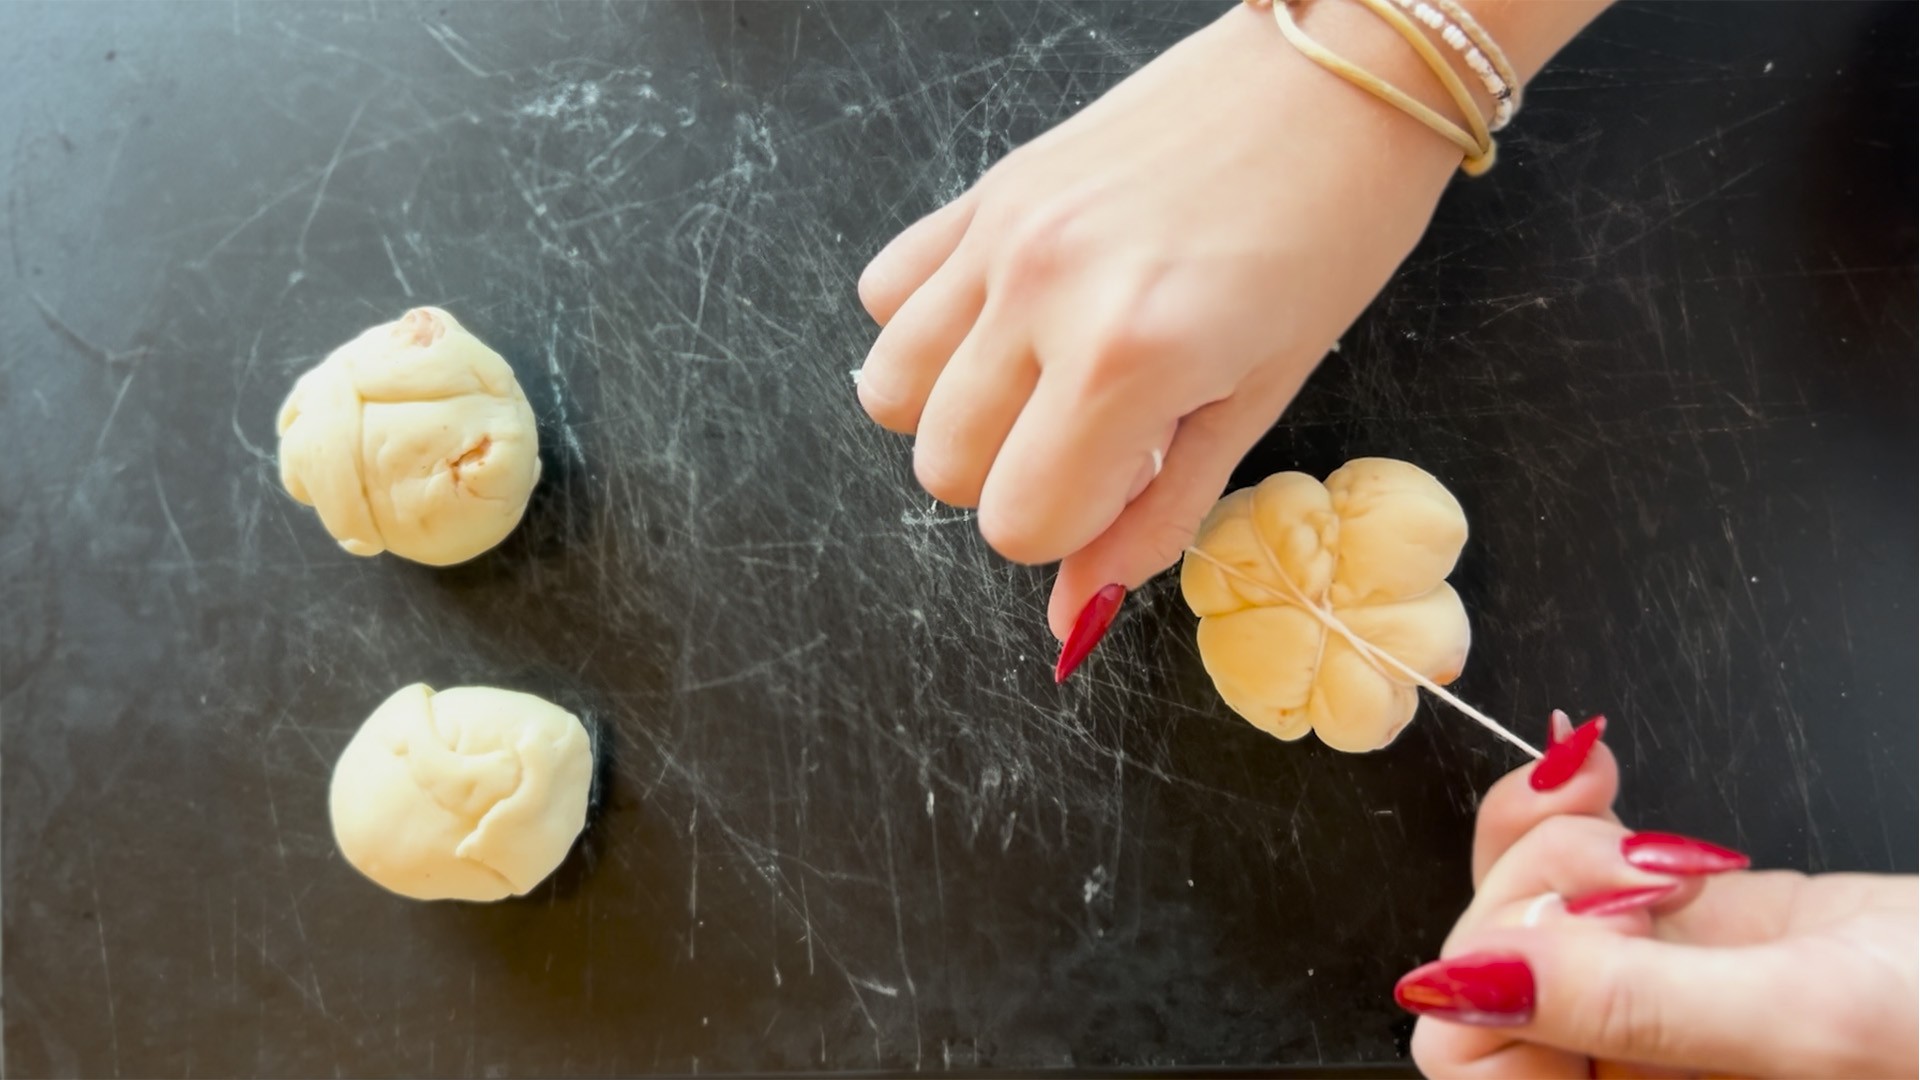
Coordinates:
<point>1372,547</point>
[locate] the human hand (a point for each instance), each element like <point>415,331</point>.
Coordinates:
<point>1087,341</point>
<point>1590,950</point>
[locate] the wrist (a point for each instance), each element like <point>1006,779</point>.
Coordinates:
<point>1292,82</point>
<point>1529,32</point>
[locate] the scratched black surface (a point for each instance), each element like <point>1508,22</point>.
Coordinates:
<point>1664,354</point>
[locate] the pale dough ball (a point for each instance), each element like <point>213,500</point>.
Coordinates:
<point>412,438</point>
<point>1373,547</point>
<point>468,794</point>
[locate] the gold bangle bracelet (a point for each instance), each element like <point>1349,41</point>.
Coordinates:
<point>1475,141</point>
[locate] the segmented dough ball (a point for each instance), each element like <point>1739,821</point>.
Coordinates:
<point>1373,545</point>
<point>469,794</point>
<point>412,438</point>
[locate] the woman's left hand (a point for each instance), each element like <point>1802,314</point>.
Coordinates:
<point>1593,950</point>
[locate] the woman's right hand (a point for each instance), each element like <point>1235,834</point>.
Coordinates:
<point>1086,343</point>
<point>1685,971</point>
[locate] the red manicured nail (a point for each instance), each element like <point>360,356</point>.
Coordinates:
<point>1667,853</point>
<point>1482,989</point>
<point>1621,901</point>
<point>1565,757</point>
<point>1088,629</point>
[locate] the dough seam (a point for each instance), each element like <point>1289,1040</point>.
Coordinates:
<point>1320,652</point>
<point>359,463</point>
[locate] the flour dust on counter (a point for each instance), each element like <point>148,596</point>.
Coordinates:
<point>849,823</point>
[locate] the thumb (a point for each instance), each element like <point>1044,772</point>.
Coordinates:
<point>1151,532</point>
<point>1793,1007</point>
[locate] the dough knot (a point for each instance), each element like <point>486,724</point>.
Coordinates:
<point>413,438</point>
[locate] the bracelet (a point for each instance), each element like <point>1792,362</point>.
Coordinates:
<point>1476,145</point>
<point>1482,54</point>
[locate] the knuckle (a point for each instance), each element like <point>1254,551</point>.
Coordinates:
<point>1041,242</point>
<point>1129,347</point>
<point>898,415</point>
<point>949,481</point>
<point>1538,854</point>
<point>1562,832</point>
<point>1628,1022</point>
<point>1164,541</point>
<point>1145,330</point>
<point>1015,538</point>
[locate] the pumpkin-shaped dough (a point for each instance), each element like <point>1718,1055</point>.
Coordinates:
<point>1372,547</point>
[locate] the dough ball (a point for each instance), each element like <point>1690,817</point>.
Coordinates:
<point>412,438</point>
<point>468,794</point>
<point>1373,547</point>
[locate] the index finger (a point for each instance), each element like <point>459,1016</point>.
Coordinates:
<point>1512,807</point>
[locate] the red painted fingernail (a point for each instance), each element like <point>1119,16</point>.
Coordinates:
<point>1565,757</point>
<point>1667,853</point>
<point>1482,989</point>
<point>1088,629</point>
<point>1621,901</point>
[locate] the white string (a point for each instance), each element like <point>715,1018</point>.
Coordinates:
<point>1367,649</point>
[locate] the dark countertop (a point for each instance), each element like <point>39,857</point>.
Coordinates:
<point>1665,354</point>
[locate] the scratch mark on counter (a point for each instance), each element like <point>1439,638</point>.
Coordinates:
<point>106,425</point>
<point>72,337</point>
<point>326,177</point>
<point>877,987</point>
<point>106,965</point>
<point>900,936</point>
<point>398,274</point>
<point>757,668</point>
<point>693,881</point>
<point>295,188</point>
<point>445,37</point>
<point>173,525</point>
<point>861,1003</point>
<point>806,921</point>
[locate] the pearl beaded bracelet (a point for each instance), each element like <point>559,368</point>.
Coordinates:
<point>1482,54</point>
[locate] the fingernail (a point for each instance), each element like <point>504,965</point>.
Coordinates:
<point>1621,901</point>
<point>1558,727</point>
<point>1668,853</point>
<point>1564,758</point>
<point>1481,989</point>
<point>1088,629</point>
